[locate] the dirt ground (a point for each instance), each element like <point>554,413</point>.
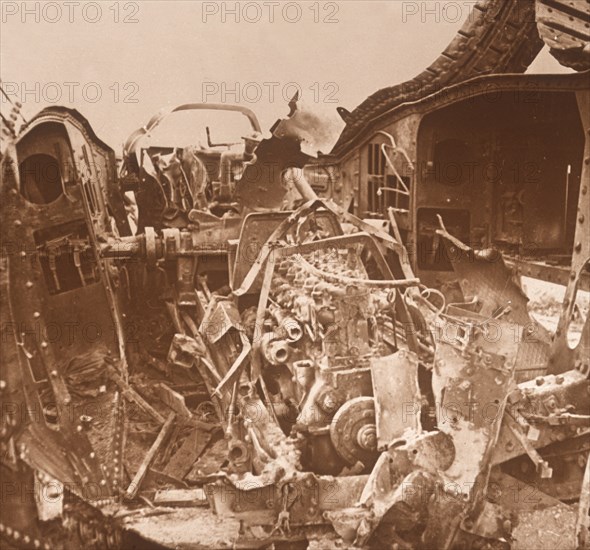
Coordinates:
<point>549,529</point>
<point>545,301</point>
<point>193,528</point>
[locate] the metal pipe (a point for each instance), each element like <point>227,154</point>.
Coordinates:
<point>298,179</point>
<point>288,324</point>
<point>275,351</point>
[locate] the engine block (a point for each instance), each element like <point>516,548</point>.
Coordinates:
<point>323,325</point>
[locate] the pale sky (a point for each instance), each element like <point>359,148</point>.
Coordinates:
<point>120,62</point>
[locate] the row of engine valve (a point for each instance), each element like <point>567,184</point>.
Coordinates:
<point>310,316</point>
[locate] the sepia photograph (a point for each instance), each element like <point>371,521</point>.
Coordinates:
<point>290,275</point>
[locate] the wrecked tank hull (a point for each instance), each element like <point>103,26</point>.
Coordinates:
<point>268,368</point>
<point>233,344</point>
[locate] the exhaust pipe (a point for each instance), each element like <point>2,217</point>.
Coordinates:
<point>275,351</point>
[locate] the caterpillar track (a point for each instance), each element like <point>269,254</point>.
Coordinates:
<point>81,525</point>
<point>564,25</point>
<point>499,36</point>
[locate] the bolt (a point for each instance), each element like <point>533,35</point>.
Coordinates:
<point>18,223</point>
<point>540,381</point>
<point>36,315</point>
<point>28,284</point>
<point>367,437</point>
<point>559,379</point>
